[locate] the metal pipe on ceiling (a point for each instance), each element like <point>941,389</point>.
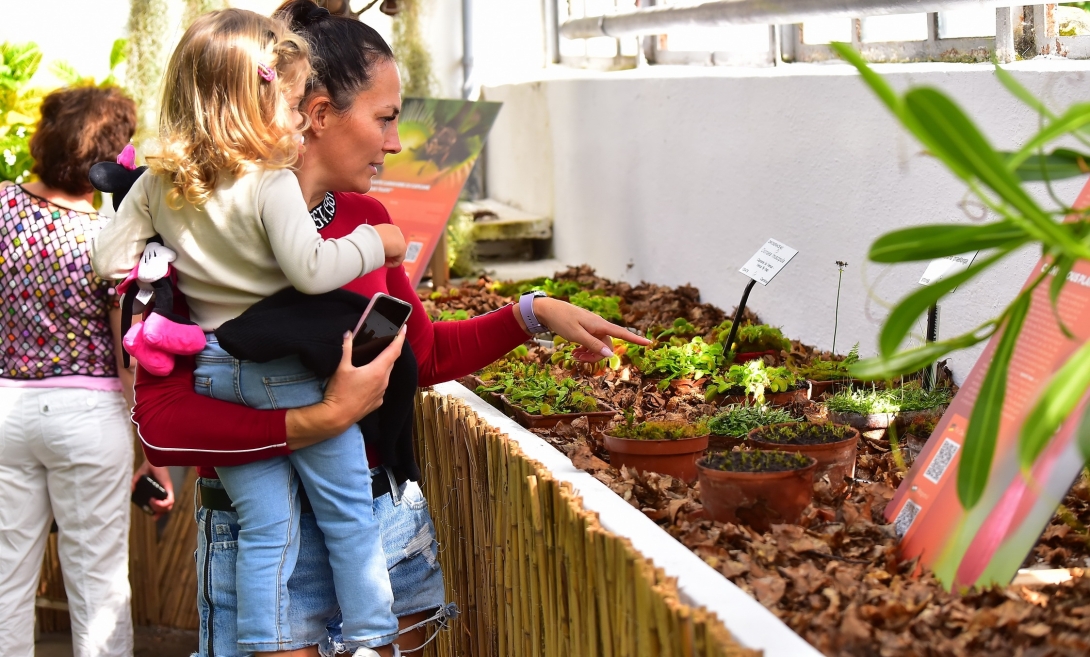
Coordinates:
<point>659,19</point>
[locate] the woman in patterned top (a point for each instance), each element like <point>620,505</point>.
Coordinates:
<point>66,444</point>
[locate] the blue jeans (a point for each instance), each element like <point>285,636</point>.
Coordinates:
<point>265,494</point>
<point>415,576</point>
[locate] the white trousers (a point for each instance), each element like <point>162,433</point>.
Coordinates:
<point>66,453</point>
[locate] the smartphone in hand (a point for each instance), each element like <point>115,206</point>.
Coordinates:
<point>147,489</point>
<point>377,328</point>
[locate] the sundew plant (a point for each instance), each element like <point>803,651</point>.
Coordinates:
<point>1062,233</point>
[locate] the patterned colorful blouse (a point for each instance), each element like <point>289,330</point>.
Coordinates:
<point>55,310</point>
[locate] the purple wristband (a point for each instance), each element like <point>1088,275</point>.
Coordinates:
<point>526,309</point>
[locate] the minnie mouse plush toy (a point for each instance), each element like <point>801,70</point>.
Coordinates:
<point>163,334</point>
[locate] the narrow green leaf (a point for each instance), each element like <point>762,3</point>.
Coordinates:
<point>118,53</point>
<point>1020,92</point>
<point>1059,164</point>
<point>1061,269</point>
<point>1082,434</point>
<point>954,139</point>
<point>903,316</point>
<point>1074,118</point>
<point>911,360</point>
<point>939,240</point>
<point>1058,399</point>
<point>983,430</point>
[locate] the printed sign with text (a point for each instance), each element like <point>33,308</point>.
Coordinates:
<point>946,267</point>
<point>768,261</point>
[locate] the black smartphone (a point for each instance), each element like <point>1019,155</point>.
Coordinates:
<point>147,489</point>
<point>377,328</point>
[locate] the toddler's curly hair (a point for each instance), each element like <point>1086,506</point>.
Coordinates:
<point>219,114</point>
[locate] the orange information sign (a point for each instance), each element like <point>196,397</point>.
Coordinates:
<point>440,143</point>
<point>987,544</point>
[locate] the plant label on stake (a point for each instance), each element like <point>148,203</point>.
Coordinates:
<point>768,261</point>
<point>946,267</point>
<point>762,268</point>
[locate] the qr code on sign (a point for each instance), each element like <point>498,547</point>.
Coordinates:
<point>412,252</point>
<point>905,518</point>
<point>941,461</point>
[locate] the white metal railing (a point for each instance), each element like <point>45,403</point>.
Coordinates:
<point>626,33</point>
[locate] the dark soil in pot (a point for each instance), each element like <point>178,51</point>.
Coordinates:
<point>832,446</point>
<point>756,488</point>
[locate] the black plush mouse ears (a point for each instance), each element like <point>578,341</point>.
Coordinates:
<point>117,178</point>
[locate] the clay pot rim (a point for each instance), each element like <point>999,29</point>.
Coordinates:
<point>625,441</point>
<point>776,474</point>
<point>750,436</point>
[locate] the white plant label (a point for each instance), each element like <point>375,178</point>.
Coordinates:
<point>768,261</point>
<point>946,267</point>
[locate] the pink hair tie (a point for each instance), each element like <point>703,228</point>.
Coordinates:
<point>267,74</point>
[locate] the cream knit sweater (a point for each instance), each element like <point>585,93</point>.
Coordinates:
<point>253,238</point>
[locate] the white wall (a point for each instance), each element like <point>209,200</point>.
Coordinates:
<point>678,175</point>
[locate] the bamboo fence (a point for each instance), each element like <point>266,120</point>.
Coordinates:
<point>534,574</point>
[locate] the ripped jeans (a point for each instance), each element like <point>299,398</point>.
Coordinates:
<point>408,542</point>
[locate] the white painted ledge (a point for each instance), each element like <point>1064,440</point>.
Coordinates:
<point>698,583</point>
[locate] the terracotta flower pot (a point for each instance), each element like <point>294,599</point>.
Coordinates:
<point>837,459</point>
<point>757,499</point>
<point>676,458</point>
<point>596,418</point>
<point>724,443</point>
<point>820,388</point>
<point>876,421</point>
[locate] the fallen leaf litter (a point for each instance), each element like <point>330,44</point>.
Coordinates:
<point>835,578</point>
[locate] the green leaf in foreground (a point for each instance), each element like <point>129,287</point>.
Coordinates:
<point>1057,165</point>
<point>983,430</point>
<point>1057,401</point>
<point>1082,435</point>
<point>912,360</point>
<point>940,240</point>
<point>904,314</point>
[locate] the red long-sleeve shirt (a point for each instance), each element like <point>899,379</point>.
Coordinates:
<point>178,426</point>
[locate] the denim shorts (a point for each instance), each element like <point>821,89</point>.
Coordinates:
<point>408,538</point>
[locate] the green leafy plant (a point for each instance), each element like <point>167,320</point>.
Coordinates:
<point>871,401</point>
<point>658,430</point>
<point>452,315</point>
<point>461,247</point>
<point>539,393</point>
<point>757,460</point>
<point>682,329</point>
<point>805,433</point>
<point>564,355</point>
<point>754,378</point>
<point>558,289</point>
<point>999,180</point>
<point>739,419</point>
<point>606,307</point>
<point>760,337</point>
<point>691,360</point>
<point>820,369</point>
<point>18,108</point>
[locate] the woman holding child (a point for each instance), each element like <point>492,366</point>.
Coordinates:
<point>350,105</point>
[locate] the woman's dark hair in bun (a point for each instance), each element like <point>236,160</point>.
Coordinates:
<point>343,51</point>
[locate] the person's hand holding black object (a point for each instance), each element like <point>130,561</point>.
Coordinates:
<point>351,393</point>
<point>161,475</point>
